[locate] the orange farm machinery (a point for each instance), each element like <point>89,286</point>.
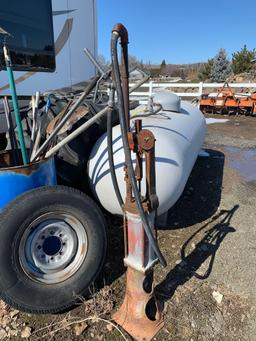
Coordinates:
<point>227,103</point>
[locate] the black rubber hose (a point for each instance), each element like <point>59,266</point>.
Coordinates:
<point>128,159</point>
<point>111,159</point>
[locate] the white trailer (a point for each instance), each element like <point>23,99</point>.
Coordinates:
<point>75,27</point>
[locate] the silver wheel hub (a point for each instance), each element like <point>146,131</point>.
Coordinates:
<point>53,248</point>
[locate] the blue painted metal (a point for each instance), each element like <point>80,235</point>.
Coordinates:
<point>17,180</point>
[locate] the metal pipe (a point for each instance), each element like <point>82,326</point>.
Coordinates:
<point>33,121</point>
<point>15,105</point>
<point>139,84</point>
<point>94,61</point>
<point>42,126</point>
<point>77,132</point>
<point>35,104</point>
<point>59,126</point>
<point>120,31</point>
<point>124,41</point>
<point>11,131</point>
<point>37,141</point>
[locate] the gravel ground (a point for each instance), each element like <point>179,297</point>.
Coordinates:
<point>214,237</point>
<point>208,288</point>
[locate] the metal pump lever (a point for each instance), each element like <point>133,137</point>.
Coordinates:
<point>104,75</point>
<point>94,61</point>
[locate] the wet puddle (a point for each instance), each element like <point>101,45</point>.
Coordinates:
<point>243,161</point>
<point>210,120</point>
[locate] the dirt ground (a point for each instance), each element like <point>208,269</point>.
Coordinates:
<point>208,287</point>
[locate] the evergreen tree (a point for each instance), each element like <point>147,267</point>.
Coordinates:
<point>221,67</point>
<point>242,60</point>
<point>205,73</point>
<point>163,66</point>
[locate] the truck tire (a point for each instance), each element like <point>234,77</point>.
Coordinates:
<point>52,247</point>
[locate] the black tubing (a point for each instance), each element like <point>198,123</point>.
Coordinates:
<point>128,159</point>
<point>111,159</point>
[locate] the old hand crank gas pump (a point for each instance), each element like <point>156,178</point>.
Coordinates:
<point>139,314</point>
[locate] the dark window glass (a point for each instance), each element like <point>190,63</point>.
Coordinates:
<point>32,42</point>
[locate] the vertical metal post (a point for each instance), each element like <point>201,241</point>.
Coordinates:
<point>201,88</point>
<point>151,84</point>
<point>15,106</point>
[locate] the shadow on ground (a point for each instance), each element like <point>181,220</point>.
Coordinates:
<point>203,250</point>
<point>114,266</point>
<point>202,194</point>
<point>199,201</point>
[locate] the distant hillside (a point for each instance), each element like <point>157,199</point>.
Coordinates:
<point>184,71</point>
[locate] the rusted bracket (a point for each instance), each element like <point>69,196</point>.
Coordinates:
<point>142,142</point>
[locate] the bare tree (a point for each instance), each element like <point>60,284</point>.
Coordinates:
<point>134,62</point>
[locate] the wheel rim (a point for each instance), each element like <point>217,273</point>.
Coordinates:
<point>53,247</point>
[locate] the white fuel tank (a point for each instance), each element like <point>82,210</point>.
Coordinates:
<point>179,138</point>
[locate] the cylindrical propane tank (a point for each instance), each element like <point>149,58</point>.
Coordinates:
<point>179,129</point>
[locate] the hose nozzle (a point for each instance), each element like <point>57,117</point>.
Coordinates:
<point>121,30</point>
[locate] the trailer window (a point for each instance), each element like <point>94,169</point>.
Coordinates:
<point>32,42</point>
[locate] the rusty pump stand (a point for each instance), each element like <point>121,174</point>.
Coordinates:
<point>139,314</point>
